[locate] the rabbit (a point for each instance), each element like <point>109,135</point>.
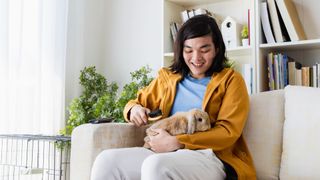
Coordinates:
<point>180,123</point>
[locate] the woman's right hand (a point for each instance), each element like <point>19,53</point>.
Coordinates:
<point>138,115</point>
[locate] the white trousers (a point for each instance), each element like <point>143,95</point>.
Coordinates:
<point>140,163</point>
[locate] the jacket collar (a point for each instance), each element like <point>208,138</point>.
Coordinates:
<point>215,81</point>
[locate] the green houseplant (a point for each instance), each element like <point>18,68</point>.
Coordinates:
<point>245,35</point>
<point>99,98</point>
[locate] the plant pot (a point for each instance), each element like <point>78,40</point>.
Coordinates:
<point>245,42</point>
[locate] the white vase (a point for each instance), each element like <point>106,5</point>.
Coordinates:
<point>245,42</point>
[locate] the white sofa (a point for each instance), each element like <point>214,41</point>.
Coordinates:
<point>279,149</point>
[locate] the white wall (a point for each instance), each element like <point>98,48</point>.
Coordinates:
<point>84,42</point>
<point>117,36</point>
<point>133,37</point>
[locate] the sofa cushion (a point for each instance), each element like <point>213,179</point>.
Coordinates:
<point>263,132</point>
<point>301,148</point>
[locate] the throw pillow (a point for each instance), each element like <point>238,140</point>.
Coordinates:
<point>301,148</point>
<point>263,132</point>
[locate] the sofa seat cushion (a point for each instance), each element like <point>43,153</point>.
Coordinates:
<point>301,148</point>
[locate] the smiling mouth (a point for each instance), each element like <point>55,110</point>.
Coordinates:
<point>197,64</point>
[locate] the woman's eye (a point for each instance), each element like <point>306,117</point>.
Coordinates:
<point>205,51</point>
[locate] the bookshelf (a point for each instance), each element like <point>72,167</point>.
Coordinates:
<point>237,9</point>
<point>306,52</point>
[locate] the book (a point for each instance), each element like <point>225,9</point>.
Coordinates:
<point>314,76</point>
<point>293,67</point>
<point>270,71</point>
<point>285,34</point>
<point>265,20</point>
<point>200,11</point>
<point>298,77</point>
<point>281,70</point>
<point>285,60</point>
<point>305,78</point>
<point>292,73</point>
<point>248,76</point>
<point>276,71</point>
<point>275,20</point>
<point>318,74</point>
<point>191,13</point>
<point>184,15</point>
<point>291,19</point>
<point>173,31</point>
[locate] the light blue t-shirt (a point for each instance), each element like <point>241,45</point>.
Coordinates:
<point>189,94</point>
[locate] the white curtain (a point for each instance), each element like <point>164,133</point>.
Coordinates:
<point>32,66</point>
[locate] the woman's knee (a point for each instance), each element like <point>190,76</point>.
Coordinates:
<point>106,157</point>
<point>104,164</point>
<point>155,165</point>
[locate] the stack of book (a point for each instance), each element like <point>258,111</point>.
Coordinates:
<point>304,75</point>
<point>280,21</point>
<point>277,70</point>
<point>283,71</point>
<point>174,28</point>
<point>187,14</point>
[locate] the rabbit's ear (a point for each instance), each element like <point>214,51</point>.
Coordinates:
<point>191,124</point>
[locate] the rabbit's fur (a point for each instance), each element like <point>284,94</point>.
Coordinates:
<point>180,123</point>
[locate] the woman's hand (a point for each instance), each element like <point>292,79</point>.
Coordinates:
<point>138,115</point>
<point>164,142</point>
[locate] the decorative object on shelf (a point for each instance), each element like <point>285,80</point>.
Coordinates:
<point>230,30</point>
<point>245,35</point>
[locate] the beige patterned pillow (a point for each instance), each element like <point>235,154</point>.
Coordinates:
<point>301,137</point>
<point>263,132</point>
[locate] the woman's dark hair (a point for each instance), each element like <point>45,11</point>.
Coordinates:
<point>197,26</point>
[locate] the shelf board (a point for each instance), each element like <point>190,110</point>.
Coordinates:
<point>297,45</point>
<point>230,52</point>
<point>239,51</point>
<point>189,3</point>
<point>169,54</point>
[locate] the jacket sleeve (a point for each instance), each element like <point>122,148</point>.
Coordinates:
<point>231,119</point>
<point>149,97</point>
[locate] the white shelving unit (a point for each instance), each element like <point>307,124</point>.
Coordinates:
<point>237,9</point>
<point>306,52</point>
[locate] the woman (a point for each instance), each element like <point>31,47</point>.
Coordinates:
<point>197,79</point>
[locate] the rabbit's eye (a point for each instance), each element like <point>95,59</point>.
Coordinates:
<point>200,119</point>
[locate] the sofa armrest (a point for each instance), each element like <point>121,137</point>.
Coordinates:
<point>88,140</point>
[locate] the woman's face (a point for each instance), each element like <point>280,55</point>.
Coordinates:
<point>198,54</point>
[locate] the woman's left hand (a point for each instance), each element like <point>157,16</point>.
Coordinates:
<point>164,142</point>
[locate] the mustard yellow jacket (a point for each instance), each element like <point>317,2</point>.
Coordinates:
<point>226,100</point>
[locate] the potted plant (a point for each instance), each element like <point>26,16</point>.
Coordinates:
<point>245,35</point>
<point>100,99</point>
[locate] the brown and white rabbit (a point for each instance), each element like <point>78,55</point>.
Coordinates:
<point>180,123</point>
